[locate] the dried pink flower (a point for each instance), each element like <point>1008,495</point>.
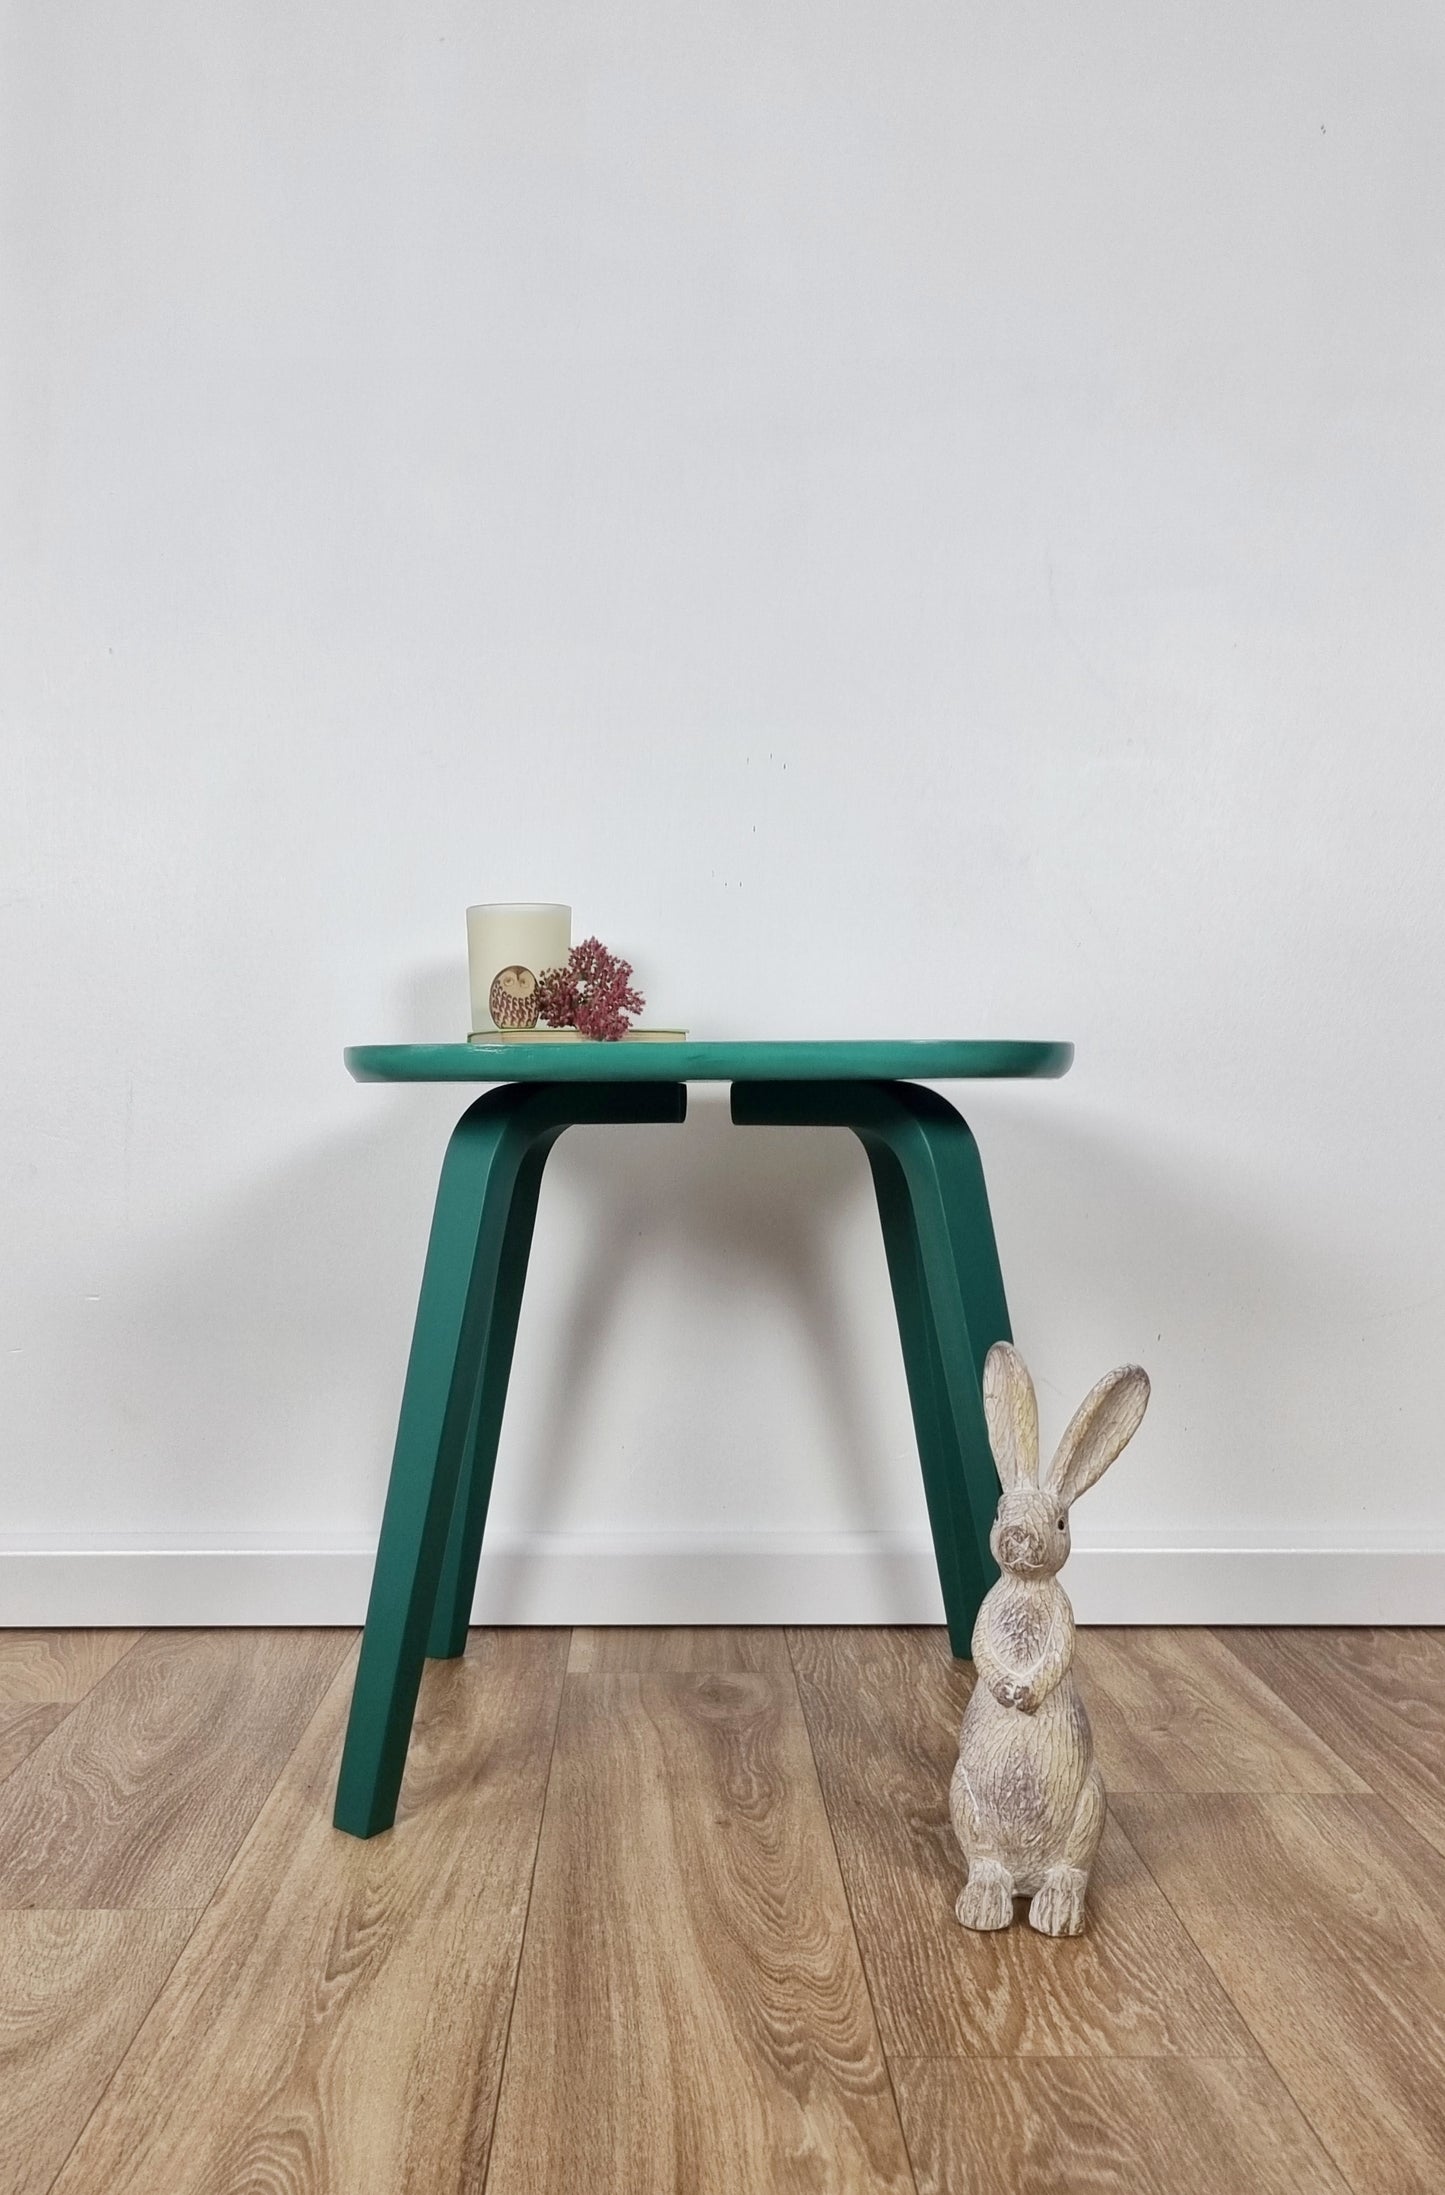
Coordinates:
<point>593,993</point>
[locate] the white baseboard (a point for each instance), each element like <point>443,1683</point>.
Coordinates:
<point>636,1577</point>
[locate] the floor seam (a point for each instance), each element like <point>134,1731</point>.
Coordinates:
<point>200,1911</point>
<point>852,1916</point>
<point>142,2023</point>
<point>1221,1632</point>
<point>71,1705</point>
<point>527,1913</point>
<point>1239,2011</point>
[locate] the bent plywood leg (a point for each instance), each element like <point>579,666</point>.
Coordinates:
<point>936,1449</point>
<point>946,1176</point>
<point>452,1314</point>
<point>458,1581</point>
<point>488,1162</point>
<point>948,1293</point>
<point>959,1173</point>
<point>549,1108</point>
<point>959,1350</point>
<point>455,1303</point>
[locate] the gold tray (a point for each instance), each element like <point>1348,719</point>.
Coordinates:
<point>574,1036</point>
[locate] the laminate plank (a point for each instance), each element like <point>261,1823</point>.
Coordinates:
<point>620,1649</point>
<point>1110,2126</point>
<point>1174,1710</point>
<point>691,2011</point>
<point>883,1709</point>
<point>1325,1919</point>
<point>141,1796</point>
<point>74,1987</point>
<point>23,1728</point>
<point>1378,1697</point>
<point>38,1668</point>
<point>336,2024</point>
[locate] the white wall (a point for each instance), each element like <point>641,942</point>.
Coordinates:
<point>913,518</point>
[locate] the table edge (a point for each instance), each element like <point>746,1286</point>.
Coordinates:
<point>716,1060</point>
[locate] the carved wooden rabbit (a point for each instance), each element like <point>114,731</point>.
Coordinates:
<point>1027,1799</point>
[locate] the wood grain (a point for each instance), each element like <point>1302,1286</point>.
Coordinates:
<point>1174,1710</point>
<point>691,2012</point>
<point>641,1648</point>
<point>691,2009</point>
<point>882,1710</point>
<point>141,1796</point>
<point>1378,1696</point>
<point>23,1728</point>
<point>1325,1918</point>
<point>337,2021</point>
<point>1121,2126</point>
<point>74,1987</point>
<point>39,1668</point>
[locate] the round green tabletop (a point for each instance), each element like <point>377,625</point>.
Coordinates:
<point>864,1059</point>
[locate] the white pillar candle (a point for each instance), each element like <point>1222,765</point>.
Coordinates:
<point>508,948</point>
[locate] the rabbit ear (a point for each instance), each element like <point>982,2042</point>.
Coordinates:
<point>1104,1423</point>
<point>1013,1416</point>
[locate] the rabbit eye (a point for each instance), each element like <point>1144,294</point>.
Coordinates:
<point>1061,1524</point>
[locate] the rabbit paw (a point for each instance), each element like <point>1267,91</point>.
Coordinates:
<point>1057,1907</point>
<point>987,1898</point>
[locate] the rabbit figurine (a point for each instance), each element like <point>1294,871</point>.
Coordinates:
<point>1027,1799</point>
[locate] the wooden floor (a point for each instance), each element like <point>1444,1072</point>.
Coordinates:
<point>671,1913</point>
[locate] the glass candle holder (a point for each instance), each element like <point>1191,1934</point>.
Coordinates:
<point>509,945</point>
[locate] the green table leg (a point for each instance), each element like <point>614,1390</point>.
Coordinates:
<point>959,1171</point>
<point>948,1293</point>
<point>931,1424</point>
<point>458,1582</point>
<point>472,1239</point>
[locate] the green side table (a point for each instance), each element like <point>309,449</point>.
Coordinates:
<point>942,1262</point>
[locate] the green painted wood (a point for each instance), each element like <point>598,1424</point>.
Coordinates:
<point>872,1059</point>
<point>966,1212</point>
<point>471,1238</point>
<point>457,1583</point>
<point>932,1425</point>
<point>948,1294</point>
<point>942,1261</point>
